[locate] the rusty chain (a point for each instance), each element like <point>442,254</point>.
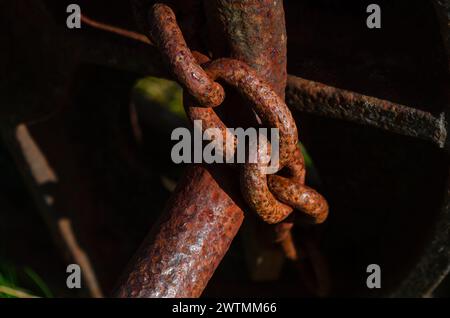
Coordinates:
<point>170,41</point>
<point>272,197</point>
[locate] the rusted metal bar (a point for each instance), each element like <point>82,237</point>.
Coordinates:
<point>317,98</point>
<point>203,216</point>
<point>193,236</point>
<point>255,33</point>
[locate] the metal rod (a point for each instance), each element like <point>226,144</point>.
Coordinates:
<point>317,98</point>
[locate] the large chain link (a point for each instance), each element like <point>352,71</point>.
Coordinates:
<point>272,197</point>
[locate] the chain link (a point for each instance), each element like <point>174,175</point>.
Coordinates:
<point>170,41</point>
<point>272,197</point>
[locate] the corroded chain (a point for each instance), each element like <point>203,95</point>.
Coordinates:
<point>272,197</point>
<point>170,41</point>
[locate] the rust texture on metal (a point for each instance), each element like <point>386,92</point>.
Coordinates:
<point>270,108</point>
<point>283,236</point>
<point>255,33</point>
<point>166,33</point>
<point>198,185</point>
<point>274,113</point>
<point>300,197</point>
<point>292,191</point>
<point>200,222</point>
<point>317,98</point>
<point>199,225</point>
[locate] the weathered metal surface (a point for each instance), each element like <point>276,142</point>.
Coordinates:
<point>283,236</point>
<point>197,229</point>
<point>168,38</point>
<point>255,26</point>
<point>300,197</point>
<point>292,191</point>
<point>274,113</point>
<point>255,32</point>
<point>433,261</point>
<point>316,98</point>
<point>267,104</point>
<point>160,268</point>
